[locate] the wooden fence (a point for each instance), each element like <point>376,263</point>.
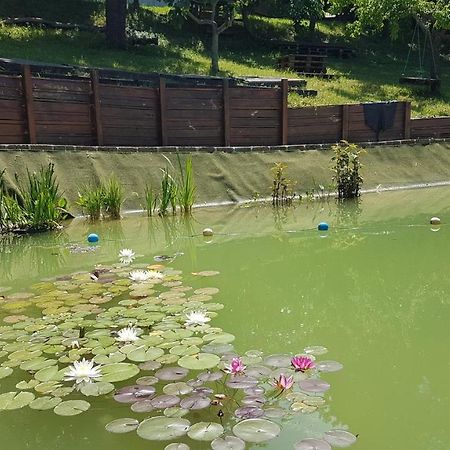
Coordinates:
<point>93,111</point>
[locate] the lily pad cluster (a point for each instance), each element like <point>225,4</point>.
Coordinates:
<point>141,337</point>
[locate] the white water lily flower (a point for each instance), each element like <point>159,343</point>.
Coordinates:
<point>154,274</point>
<point>83,371</point>
<point>126,256</point>
<point>196,318</point>
<point>128,334</point>
<point>139,275</point>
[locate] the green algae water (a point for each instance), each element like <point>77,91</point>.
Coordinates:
<point>374,290</point>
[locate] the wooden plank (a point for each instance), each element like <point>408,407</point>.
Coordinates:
<point>407,124</point>
<point>256,104</point>
<point>345,122</point>
<point>163,111</point>
<point>254,93</point>
<point>97,125</point>
<point>257,123</point>
<point>226,113</point>
<point>194,104</point>
<point>58,85</point>
<point>284,111</point>
<point>28,97</point>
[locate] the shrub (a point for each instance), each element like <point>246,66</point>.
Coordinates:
<point>346,168</point>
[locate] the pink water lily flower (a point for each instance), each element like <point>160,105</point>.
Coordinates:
<point>236,366</point>
<point>302,363</point>
<point>283,383</point>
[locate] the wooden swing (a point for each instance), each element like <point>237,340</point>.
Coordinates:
<point>421,77</point>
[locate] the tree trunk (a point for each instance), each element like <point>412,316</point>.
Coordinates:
<point>312,25</point>
<point>214,49</point>
<point>116,16</point>
<point>135,5</point>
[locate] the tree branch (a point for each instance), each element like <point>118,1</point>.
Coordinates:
<point>199,21</point>
<point>225,26</point>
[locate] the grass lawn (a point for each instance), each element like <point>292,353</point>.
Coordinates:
<point>371,76</point>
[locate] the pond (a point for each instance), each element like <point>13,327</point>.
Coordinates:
<point>374,291</point>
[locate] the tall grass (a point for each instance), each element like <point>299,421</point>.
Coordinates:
<point>151,199</point>
<point>38,204</point>
<point>169,191</point>
<point>186,185</point>
<point>113,198</point>
<point>90,198</point>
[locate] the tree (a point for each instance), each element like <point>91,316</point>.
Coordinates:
<point>116,17</point>
<point>217,10</point>
<point>310,10</point>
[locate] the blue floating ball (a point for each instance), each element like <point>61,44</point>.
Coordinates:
<point>93,238</point>
<point>323,226</point>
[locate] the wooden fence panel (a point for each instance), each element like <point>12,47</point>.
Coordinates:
<point>358,131</point>
<point>130,115</point>
<point>255,116</point>
<point>12,111</point>
<point>315,125</point>
<point>436,127</point>
<point>62,111</point>
<point>195,116</point>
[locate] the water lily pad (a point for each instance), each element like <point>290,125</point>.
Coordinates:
<point>219,338</point>
<point>278,360</point>
<point>96,389</point>
<point>254,400</point>
<point>175,411</point>
<point>122,425</point>
<point>205,431</point>
<point>316,350</point>
<point>210,376</point>
<point>312,444</point>
<point>143,353</point>
<point>207,273</point>
<point>313,385</point>
<point>162,428</point>
<point>44,403</point>
<point>15,400</point>
<point>339,438</point>
<point>274,413</point>
<point>150,365</point>
<point>5,372</point>
<point>71,407</point>
<point>200,361</point>
<point>207,291</point>
<point>23,385</point>
<point>256,430</point>
<point>303,407</point>
<point>176,446</point>
<point>131,394</point>
<point>118,372</point>
<point>217,349</point>
<point>147,381</point>
<point>228,443</point>
<point>112,358</point>
<point>241,382</point>
<point>50,373</point>
<point>249,412</point>
<point>142,406</point>
<point>177,389</point>
<point>329,366</point>
<point>195,402</point>
<point>165,401</point>
<point>172,373</point>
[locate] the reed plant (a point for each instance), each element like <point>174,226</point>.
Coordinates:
<point>90,198</point>
<point>169,191</point>
<point>186,185</point>
<point>282,187</point>
<point>113,198</point>
<point>151,199</point>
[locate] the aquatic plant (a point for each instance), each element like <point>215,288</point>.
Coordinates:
<point>113,197</point>
<point>186,185</point>
<point>196,318</point>
<point>177,371</point>
<point>151,200</point>
<point>83,371</point>
<point>236,366</point>
<point>282,187</point>
<point>126,256</point>
<point>37,205</point>
<point>169,192</point>
<point>139,275</point>
<point>302,363</point>
<point>346,169</point>
<point>90,198</point>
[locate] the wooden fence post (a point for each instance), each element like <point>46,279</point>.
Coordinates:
<point>96,105</point>
<point>407,122</point>
<point>226,113</point>
<point>163,110</point>
<point>27,85</point>
<point>345,122</point>
<point>284,112</point>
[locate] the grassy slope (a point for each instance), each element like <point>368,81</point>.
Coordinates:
<point>372,76</point>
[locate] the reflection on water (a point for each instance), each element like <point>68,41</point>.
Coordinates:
<point>375,290</point>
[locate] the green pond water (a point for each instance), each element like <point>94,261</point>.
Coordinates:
<point>374,290</point>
